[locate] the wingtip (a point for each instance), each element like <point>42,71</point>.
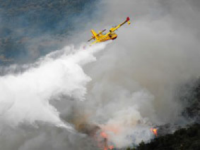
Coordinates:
<point>128,18</point>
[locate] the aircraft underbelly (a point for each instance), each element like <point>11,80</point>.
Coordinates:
<point>104,39</point>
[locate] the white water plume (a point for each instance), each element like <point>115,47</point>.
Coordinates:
<point>133,86</point>
<point>25,97</point>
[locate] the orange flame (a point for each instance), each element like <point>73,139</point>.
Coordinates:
<point>111,147</point>
<point>154,131</point>
<point>105,136</point>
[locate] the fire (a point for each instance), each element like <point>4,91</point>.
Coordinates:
<point>111,147</point>
<point>154,131</point>
<point>105,142</point>
<point>106,132</point>
<point>104,135</point>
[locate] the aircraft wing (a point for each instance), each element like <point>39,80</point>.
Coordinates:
<point>101,32</point>
<point>117,27</point>
<point>93,37</point>
<point>93,43</point>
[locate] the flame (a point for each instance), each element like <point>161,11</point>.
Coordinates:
<point>154,131</point>
<point>105,137</point>
<point>105,133</point>
<point>111,147</point>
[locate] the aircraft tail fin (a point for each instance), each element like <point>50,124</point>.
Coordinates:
<point>94,34</point>
<point>128,20</point>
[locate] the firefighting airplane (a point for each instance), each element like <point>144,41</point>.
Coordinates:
<point>111,35</point>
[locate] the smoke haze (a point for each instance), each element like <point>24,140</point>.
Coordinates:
<point>138,75</point>
<point>63,101</point>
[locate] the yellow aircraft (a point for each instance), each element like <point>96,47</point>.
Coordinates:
<point>111,35</point>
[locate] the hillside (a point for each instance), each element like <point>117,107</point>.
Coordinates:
<point>30,29</point>
<point>182,139</point>
<point>187,138</point>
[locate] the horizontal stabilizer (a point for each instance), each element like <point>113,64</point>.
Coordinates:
<point>128,20</point>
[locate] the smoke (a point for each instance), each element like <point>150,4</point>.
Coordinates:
<point>134,82</point>
<point>129,89</point>
<point>26,97</point>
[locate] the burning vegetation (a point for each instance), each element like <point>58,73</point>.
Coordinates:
<point>154,131</point>
<point>182,139</point>
<point>104,141</point>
